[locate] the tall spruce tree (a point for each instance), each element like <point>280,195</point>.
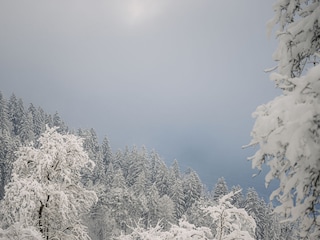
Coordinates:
<point>220,189</point>
<point>5,124</point>
<point>287,129</point>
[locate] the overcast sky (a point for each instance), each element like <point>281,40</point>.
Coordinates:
<point>179,76</point>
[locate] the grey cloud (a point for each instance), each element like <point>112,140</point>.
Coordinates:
<point>184,78</point>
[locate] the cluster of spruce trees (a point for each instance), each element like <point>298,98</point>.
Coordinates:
<point>134,185</point>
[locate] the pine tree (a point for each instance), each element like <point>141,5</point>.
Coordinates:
<point>57,122</point>
<point>91,146</point>
<point>231,222</point>
<point>5,124</point>
<point>256,208</point>
<point>159,174</point>
<point>178,198</point>
<point>192,188</point>
<point>153,198</point>
<point>8,146</point>
<point>273,228</point>
<point>118,203</point>
<point>196,215</point>
<point>237,199</point>
<point>48,120</point>
<point>16,112</point>
<point>106,151</point>
<point>176,169</point>
<point>166,211</point>
<point>287,129</point>
<point>136,162</point>
<point>38,118</point>
<point>220,189</point>
<point>26,133</point>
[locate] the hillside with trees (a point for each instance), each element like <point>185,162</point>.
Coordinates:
<point>66,184</point>
<point>60,183</point>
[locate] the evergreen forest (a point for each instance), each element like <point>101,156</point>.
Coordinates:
<point>135,188</point>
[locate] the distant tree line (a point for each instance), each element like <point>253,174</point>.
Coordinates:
<point>135,189</point>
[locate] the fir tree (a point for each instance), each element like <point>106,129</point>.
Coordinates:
<point>287,129</point>
<point>220,189</point>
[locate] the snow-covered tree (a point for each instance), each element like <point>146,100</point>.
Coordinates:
<point>118,204</point>
<point>178,198</point>
<point>220,189</point>
<point>272,225</point>
<point>45,191</point>
<point>257,209</point>
<point>192,188</point>
<point>5,124</point>
<point>153,198</point>
<point>159,173</point>
<point>231,222</point>
<point>57,122</point>
<point>18,232</point>
<point>136,164</point>
<point>166,211</point>
<point>8,146</point>
<point>106,152</point>
<point>287,129</point>
<point>196,215</point>
<point>175,169</point>
<point>184,230</point>
<point>16,112</point>
<point>38,117</point>
<point>48,120</point>
<point>91,146</point>
<point>27,133</point>
<point>237,199</point>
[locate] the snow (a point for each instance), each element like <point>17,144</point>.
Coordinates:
<point>183,231</point>
<point>287,129</point>
<point>17,232</point>
<point>46,186</point>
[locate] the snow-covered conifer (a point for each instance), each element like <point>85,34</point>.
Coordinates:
<point>192,188</point>
<point>220,189</point>
<point>106,151</point>
<point>57,122</point>
<point>8,146</point>
<point>257,209</point>
<point>16,112</point>
<point>136,164</point>
<point>5,123</point>
<point>231,222</point>
<point>237,199</point>
<point>287,129</point>
<point>178,198</point>
<point>27,133</point>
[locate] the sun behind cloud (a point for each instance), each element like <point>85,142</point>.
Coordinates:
<point>139,11</point>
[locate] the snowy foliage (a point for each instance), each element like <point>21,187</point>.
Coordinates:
<point>287,129</point>
<point>231,222</point>
<point>220,189</point>
<point>183,231</point>
<point>17,232</point>
<point>133,186</point>
<point>45,191</point>
<point>298,36</point>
